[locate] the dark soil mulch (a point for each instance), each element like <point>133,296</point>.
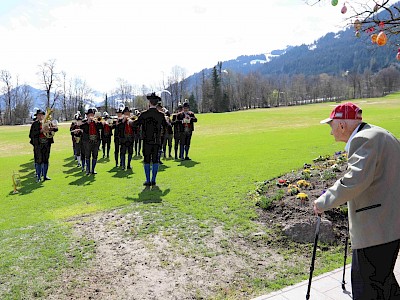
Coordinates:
<point>278,199</point>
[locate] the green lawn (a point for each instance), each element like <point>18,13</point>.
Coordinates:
<point>230,152</point>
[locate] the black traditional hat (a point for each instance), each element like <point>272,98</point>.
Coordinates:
<point>126,109</point>
<point>105,115</point>
<point>39,112</point>
<point>91,111</point>
<point>180,105</point>
<point>119,110</point>
<point>153,96</point>
<point>186,104</point>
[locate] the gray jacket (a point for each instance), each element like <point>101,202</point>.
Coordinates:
<point>371,188</point>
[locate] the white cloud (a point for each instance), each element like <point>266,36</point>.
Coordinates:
<point>102,40</point>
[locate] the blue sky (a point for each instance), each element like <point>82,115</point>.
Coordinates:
<point>140,41</point>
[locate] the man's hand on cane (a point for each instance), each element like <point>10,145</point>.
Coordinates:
<point>317,210</point>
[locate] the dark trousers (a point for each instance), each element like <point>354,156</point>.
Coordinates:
<point>177,143</point>
<point>79,149</point>
<point>91,149</point>
<point>126,146</point>
<point>138,144</point>
<point>372,274</point>
<point>74,146</point>
<point>106,143</point>
<point>186,137</point>
<point>41,152</point>
<point>167,141</point>
<point>116,150</point>
<point>150,153</point>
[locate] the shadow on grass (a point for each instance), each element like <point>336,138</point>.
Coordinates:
<point>162,167</point>
<point>188,163</point>
<point>70,162</point>
<point>149,195</point>
<point>120,173</point>
<point>84,179</point>
<point>103,160</point>
<point>29,166</point>
<point>28,184</point>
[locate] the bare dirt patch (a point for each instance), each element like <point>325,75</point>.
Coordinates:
<point>203,264</point>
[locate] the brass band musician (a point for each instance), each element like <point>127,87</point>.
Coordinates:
<point>42,131</point>
<point>91,140</point>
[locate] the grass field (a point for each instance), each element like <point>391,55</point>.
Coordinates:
<point>230,152</point>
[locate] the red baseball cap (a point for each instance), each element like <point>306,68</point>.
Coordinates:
<point>345,111</point>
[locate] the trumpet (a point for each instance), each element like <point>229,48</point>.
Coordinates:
<point>98,118</point>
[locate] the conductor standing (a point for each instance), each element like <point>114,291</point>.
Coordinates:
<point>152,122</point>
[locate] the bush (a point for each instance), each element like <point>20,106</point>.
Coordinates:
<point>266,202</point>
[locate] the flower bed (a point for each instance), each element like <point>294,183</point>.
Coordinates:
<point>289,198</point>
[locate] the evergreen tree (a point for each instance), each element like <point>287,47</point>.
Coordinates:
<point>106,104</point>
<point>193,104</point>
<point>217,93</point>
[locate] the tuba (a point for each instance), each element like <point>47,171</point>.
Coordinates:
<point>48,124</point>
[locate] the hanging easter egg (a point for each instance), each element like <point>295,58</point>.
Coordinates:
<point>334,2</point>
<point>357,25</point>
<point>398,54</point>
<point>344,9</point>
<point>381,39</point>
<point>373,38</point>
<point>358,34</point>
<point>381,25</point>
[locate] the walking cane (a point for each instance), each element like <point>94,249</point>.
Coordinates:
<point>313,255</point>
<point>345,257</point>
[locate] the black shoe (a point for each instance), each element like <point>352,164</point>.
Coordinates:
<point>153,183</point>
<point>94,173</point>
<point>129,168</point>
<point>46,178</point>
<point>187,158</point>
<point>87,173</point>
<point>160,162</point>
<point>147,183</point>
<point>37,179</point>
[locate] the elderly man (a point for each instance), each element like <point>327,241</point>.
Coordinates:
<point>371,188</point>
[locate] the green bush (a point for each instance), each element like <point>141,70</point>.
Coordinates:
<point>266,202</point>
